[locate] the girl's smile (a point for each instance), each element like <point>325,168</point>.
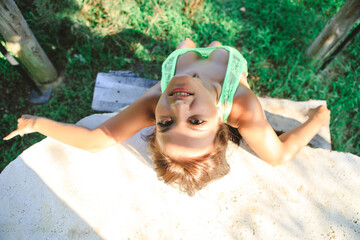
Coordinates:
<point>187,118</point>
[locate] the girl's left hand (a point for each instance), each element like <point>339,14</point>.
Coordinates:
<point>321,114</point>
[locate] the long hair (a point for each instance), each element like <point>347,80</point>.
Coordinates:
<point>191,175</point>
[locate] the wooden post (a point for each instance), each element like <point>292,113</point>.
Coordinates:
<point>21,42</point>
<point>335,30</point>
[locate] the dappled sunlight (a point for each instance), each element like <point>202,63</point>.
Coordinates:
<point>56,191</point>
<point>14,47</point>
<point>84,38</point>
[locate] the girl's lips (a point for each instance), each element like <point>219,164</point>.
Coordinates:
<point>184,90</point>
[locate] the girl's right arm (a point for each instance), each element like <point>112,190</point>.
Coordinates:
<point>249,117</point>
<point>120,127</point>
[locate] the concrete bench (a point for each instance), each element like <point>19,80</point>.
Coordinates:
<point>54,191</point>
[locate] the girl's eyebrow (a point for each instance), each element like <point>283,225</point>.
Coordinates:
<point>163,129</point>
<point>198,129</point>
<point>167,128</point>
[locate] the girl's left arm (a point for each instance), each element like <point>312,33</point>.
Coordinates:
<point>249,118</point>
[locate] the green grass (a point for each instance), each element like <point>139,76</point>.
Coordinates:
<point>84,37</point>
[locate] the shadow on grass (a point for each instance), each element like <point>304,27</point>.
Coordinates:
<point>78,54</point>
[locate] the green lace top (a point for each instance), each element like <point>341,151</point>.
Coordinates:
<point>236,66</point>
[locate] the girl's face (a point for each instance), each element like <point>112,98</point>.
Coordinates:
<point>187,118</point>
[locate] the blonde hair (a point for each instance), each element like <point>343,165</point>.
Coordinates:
<point>191,175</point>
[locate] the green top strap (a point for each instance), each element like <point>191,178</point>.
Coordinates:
<point>236,66</point>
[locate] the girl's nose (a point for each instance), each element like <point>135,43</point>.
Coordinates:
<point>180,108</point>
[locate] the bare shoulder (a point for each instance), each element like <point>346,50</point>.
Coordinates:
<point>246,108</point>
<point>149,99</point>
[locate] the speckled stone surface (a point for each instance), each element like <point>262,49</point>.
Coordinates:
<point>53,191</point>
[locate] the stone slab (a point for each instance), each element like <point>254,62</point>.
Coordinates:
<point>54,191</point>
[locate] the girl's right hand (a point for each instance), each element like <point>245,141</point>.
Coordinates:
<point>321,114</point>
<point>25,126</point>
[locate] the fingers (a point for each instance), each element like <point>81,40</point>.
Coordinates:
<point>11,135</point>
<point>22,127</point>
<point>321,113</point>
<point>321,108</point>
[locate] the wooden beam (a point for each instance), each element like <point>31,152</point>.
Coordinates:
<point>347,40</point>
<point>335,30</point>
<point>21,42</point>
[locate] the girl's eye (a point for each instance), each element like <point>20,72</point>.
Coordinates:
<point>196,122</point>
<point>165,123</point>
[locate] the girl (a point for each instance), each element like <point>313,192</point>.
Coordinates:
<point>203,91</point>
